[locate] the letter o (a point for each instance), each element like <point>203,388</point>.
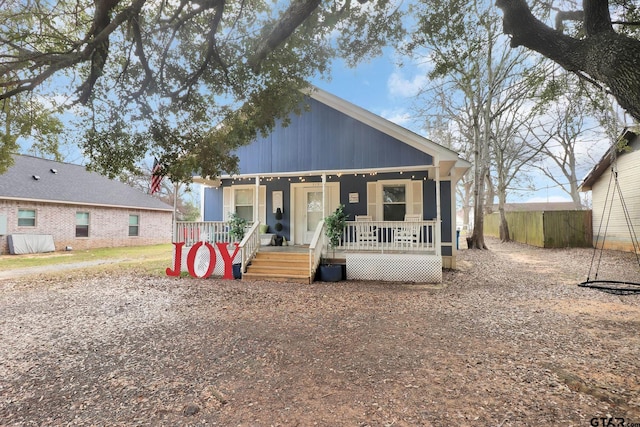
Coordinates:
<point>191,259</point>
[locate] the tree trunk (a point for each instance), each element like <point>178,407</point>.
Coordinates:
<point>505,236</point>
<point>477,236</point>
<point>504,228</point>
<point>481,167</point>
<point>490,195</point>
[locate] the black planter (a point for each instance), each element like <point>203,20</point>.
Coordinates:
<point>237,271</point>
<point>278,241</point>
<point>330,273</point>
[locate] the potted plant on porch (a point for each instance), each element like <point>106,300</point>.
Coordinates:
<point>279,239</point>
<point>237,229</point>
<point>334,229</point>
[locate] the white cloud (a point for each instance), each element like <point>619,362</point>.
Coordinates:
<point>399,116</point>
<point>399,85</point>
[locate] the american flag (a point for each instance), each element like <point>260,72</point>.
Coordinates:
<point>156,176</point>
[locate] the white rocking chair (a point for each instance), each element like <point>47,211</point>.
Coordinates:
<point>409,233</point>
<point>365,233</point>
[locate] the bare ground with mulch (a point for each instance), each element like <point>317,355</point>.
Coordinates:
<point>508,340</point>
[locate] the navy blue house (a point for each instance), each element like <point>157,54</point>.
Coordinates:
<point>338,153</point>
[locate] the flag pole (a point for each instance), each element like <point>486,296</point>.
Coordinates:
<point>176,187</point>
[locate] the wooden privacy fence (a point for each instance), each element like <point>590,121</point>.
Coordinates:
<point>545,229</point>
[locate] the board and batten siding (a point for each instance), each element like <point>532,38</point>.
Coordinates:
<point>326,139</point>
<point>615,225</point>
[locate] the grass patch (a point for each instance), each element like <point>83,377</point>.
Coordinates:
<point>155,257</point>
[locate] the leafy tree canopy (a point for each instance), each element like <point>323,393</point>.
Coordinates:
<point>186,81</point>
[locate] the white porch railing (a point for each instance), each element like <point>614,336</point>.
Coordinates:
<point>383,236</point>
<point>378,236</point>
<point>218,231</point>
<point>208,231</point>
<point>249,245</point>
<point>317,245</point>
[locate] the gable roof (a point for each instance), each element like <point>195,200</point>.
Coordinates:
<point>71,184</point>
<point>607,159</point>
<point>336,135</point>
<point>383,125</point>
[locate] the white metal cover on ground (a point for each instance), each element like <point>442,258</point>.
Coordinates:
<point>394,267</point>
<point>20,244</point>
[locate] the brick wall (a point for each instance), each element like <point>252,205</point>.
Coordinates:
<point>108,227</point>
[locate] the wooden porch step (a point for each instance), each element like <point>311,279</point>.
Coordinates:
<point>279,266</point>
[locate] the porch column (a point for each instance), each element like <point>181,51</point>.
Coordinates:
<point>256,200</point>
<point>438,230</point>
<point>324,195</point>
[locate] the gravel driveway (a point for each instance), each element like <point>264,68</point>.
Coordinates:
<point>508,340</point>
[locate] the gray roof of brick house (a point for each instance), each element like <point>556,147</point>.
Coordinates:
<point>69,183</point>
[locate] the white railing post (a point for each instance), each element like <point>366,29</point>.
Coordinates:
<point>316,247</point>
<point>390,235</point>
<point>249,245</point>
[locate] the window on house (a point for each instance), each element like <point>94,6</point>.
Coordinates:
<point>82,224</point>
<point>394,199</point>
<point>26,218</point>
<point>244,203</point>
<point>134,225</point>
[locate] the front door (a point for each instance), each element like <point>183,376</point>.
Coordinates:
<point>307,208</point>
<point>313,213</point>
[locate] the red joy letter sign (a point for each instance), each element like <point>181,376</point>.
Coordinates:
<point>177,256</point>
<point>191,259</point>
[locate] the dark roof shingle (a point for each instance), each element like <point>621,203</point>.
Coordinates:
<point>69,183</point>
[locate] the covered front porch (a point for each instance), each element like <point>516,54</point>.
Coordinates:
<point>371,250</point>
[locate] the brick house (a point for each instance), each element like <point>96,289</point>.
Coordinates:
<point>42,198</point>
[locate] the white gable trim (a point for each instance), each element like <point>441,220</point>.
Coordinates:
<point>383,125</point>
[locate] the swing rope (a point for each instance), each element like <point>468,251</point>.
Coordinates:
<point>612,286</point>
<point>595,247</point>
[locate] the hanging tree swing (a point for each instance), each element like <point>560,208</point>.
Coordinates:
<point>620,287</point>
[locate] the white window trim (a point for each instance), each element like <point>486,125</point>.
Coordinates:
<point>412,200</point>
<point>35,217</point>
<point>229,200</point>
<point>137,225</point>
<point>88,224</point>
